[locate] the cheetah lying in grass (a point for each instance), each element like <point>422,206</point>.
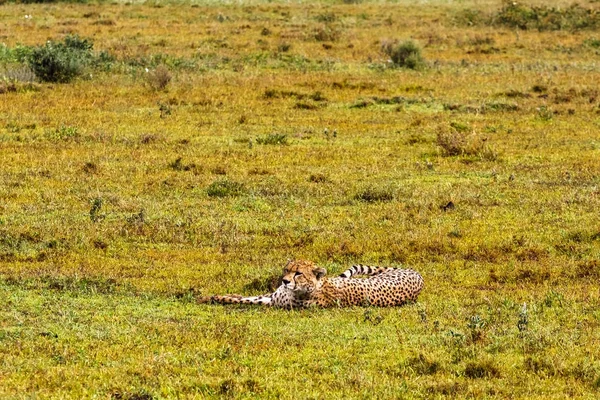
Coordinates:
<point>304,284</point>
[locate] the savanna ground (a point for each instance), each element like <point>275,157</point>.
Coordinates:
<point>213,141</point>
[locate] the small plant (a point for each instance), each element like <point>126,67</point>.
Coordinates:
<point>137,219</point>
<point>225,188</point>
<point>273,139</point>
<point>553,298</point>
<point>165,110</point>
<point>404,55</point>
<point>523,321</point>
<point>159,78</point>
<point>370,316</point>
<point>475,325</point>
<point>545,113</point>
<point>95,209</point>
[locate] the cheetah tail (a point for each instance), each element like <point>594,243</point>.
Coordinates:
<point>360,269</point>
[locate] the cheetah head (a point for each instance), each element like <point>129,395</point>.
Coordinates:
<point>302,276</point>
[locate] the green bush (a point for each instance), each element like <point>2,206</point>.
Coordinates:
<point>61,61</point>
<point>405,55</point>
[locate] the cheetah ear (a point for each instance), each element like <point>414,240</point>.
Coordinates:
<point>319,272</point>
<point>289,261</point>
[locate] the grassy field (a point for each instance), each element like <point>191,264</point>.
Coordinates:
<point>203,144</point>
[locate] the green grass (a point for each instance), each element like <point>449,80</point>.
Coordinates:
<point>122,201</point>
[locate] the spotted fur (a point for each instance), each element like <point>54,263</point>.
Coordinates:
<point>304,284</point>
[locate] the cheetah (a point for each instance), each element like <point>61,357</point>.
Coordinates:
<point>304,284</point>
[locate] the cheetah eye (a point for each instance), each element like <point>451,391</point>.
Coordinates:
<point>298,273</point>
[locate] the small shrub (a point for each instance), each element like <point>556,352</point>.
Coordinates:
<point>159,78</point>
<point>404,55</point>
<point>225,188</point>
<point>61,62</point>
<point>273,139</point>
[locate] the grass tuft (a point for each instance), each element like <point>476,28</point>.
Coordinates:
<point>159,78</point>
<point>225,188</point>
<point>372,194</point>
